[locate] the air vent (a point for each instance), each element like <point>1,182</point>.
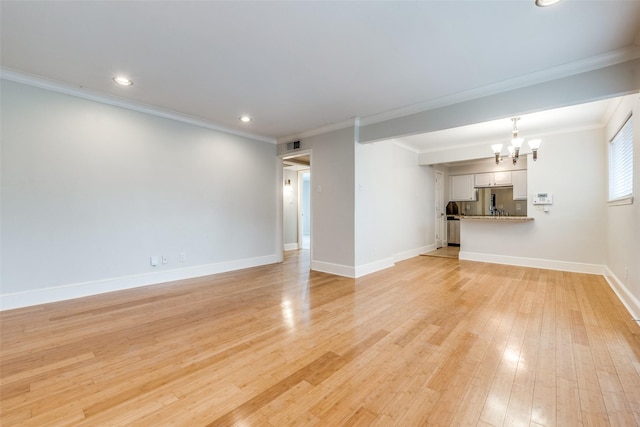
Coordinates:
<point>295,145</point>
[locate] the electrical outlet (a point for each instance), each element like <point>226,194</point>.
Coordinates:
<point>165,259</point>
<point>182,257</point>
<point>154,261</point>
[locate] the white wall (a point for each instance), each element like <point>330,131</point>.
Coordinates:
<point>572,235</point>
<point>91,191</point>
<point>394,206</point>
<point>332,199</point>
<point>623,222</point>
<point>413,204</point>
<point>305,202</point>
<point>374,219</point>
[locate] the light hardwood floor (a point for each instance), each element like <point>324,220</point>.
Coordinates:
<point>432,341</point>
<point>445,252</point>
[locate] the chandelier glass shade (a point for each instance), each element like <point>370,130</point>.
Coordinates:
<point>516,145</point>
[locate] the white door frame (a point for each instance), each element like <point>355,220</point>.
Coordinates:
<point>440,217</point>
<point>300,211</point>
<point>280,213</point>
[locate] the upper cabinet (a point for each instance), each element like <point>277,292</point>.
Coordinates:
<point>502,178</point>
<point>519,185</point>
<point>464,187</point>
<point>484,179</point>
<point>461,188</point>
<point>493,179</point>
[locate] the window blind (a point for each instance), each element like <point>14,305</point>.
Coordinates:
<point>621,162</point>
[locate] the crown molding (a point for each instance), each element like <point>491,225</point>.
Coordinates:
<point>318,131</point>
<point>91,95</point>
<point>400,143</point>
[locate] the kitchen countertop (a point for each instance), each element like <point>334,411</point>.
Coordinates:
<point>496,218</point>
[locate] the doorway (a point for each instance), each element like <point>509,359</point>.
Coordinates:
<point>297,221</point>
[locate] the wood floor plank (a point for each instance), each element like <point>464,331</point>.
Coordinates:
<point>431,341</point>
<point>474,401</point>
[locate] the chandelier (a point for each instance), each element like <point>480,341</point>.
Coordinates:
<point>516,144</point>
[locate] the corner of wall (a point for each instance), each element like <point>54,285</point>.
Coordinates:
<point>331,268</point>
<point>631,303</point>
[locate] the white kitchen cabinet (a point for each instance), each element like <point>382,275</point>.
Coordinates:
<point>502,178</point>
<point>484,179</point>
<point>461,188</point>
<point>493,179</point>
<point>519,179</point>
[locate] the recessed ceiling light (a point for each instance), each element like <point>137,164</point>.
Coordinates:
<point>123,81</point>
<point>543,3</point>
<point>245,119</point>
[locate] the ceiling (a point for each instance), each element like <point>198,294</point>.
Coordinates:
<point>302,65</point>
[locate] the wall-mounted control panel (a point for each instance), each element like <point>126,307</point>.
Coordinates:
<point>543,199</point>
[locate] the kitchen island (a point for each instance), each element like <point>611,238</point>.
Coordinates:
<point>496,218</point>
<point>493,238</point>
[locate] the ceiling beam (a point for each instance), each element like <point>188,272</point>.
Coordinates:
<point>615,80</point>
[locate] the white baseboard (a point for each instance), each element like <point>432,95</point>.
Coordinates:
<point>352,272</point>
<point>78,290</point>
<point>363,270</point>
<point>631,303</point>
<point>401,256</point>
<point>337,269</point>
<point>291,247</point>
<point>575,267</point>
<point>372,267</point>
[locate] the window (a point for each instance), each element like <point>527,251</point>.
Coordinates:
<point>621,164</point>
